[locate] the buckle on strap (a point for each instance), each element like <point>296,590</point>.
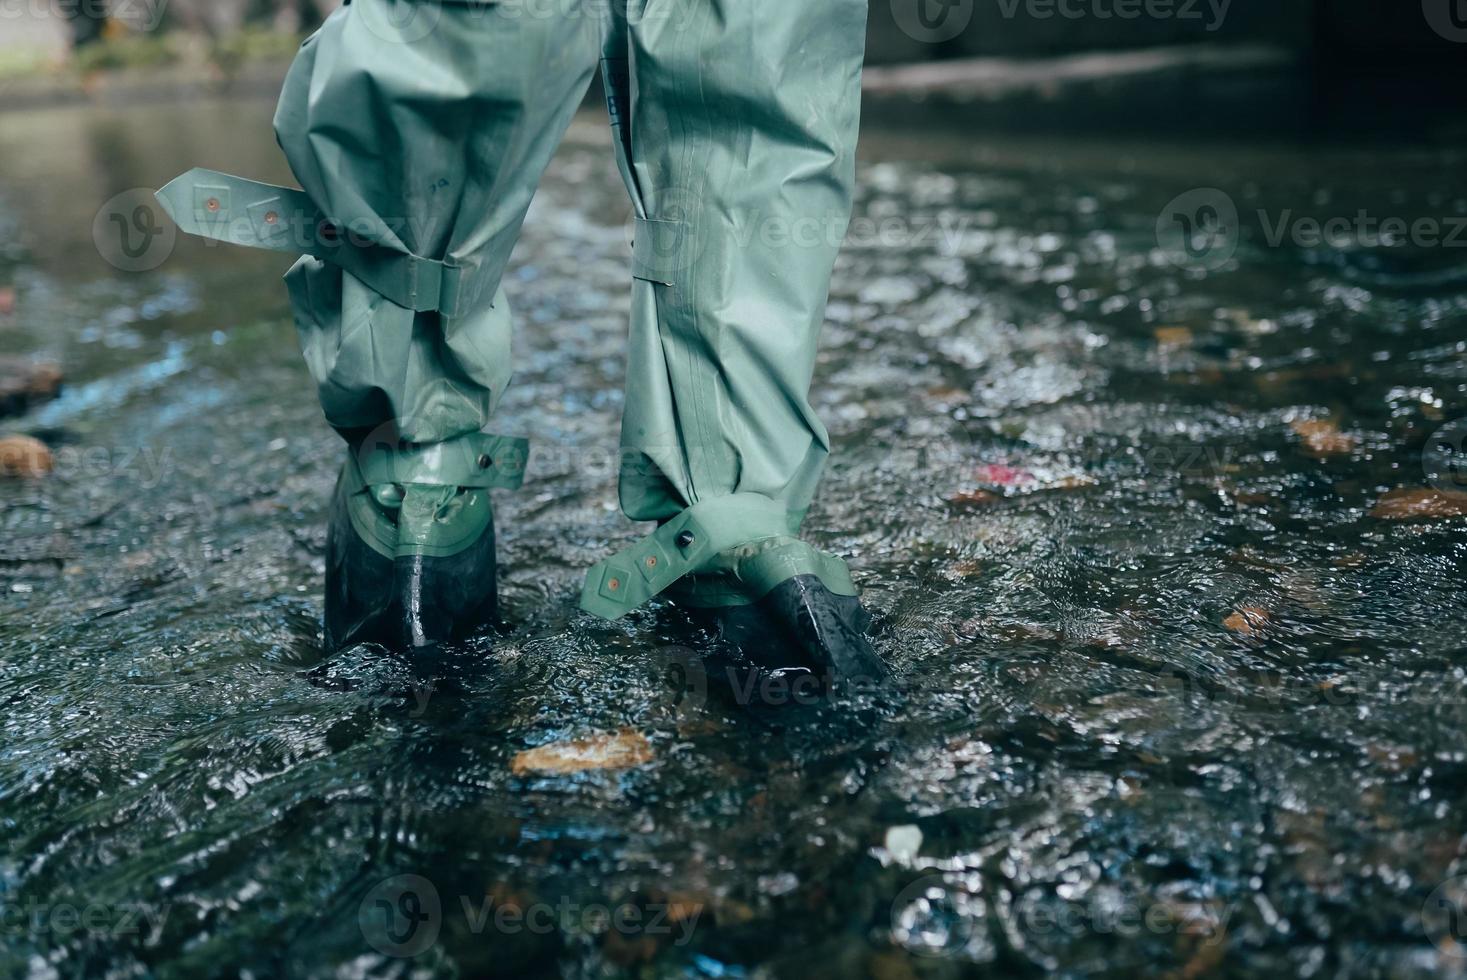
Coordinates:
<point>477,460</point>
<point>245,212</point>
<point>631,577</point>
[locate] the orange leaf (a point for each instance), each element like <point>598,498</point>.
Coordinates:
<point>1322,438</point>
<point>1419,503</point>
<point>622,750</point>
<point>1248,620</point>
<point>24,456</point>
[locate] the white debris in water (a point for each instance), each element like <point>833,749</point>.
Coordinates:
<point>778,884</point>
<point>904,842</point>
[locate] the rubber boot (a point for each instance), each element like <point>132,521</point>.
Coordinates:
<point>797,627</point>
<point>410,561</point>
<point>775,600</point>
<point>408,567</point>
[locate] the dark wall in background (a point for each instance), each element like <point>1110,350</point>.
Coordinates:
<point>1396,33</point>
<point>1342,34</point>
<point>1052,27</point>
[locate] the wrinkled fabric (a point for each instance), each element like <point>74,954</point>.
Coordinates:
<point>425,128</point>
<point>424,131</point>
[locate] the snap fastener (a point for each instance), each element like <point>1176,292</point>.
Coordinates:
<point>651,561</point>
<point>614,584</point>
<point>485,462</point>
<point>686,539</point>
<point>212,204</point>
<point>271,218</point>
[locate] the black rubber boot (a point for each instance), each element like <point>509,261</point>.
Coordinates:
<point>813,641</point>
<point>408,567</point>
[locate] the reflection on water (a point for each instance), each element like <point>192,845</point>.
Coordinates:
<point>1177,693</point>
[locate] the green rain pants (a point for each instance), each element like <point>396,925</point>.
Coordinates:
<point>418,132</point>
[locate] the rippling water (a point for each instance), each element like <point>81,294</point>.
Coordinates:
<point>1175,692</point>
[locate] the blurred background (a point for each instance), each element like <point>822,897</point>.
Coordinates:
<point>1298,63</point>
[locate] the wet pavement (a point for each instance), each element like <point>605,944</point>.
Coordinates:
<point>1173,598</point>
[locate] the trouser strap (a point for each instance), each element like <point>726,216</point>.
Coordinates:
<point>692,540</point>
<point>256,215</point>
<point>476,460</point>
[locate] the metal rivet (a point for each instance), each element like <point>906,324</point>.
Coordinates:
<point>485,462</point>
<point>686,539</point>
<point>212,204</point>
<point>271,217</point>
<point>651,561</point>
<point>614,584</point>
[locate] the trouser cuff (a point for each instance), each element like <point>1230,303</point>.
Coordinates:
<point>742,538</point>
<point>477,460</point>
<point>428,499</point>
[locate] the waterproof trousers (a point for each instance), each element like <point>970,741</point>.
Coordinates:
<point>418,131</point>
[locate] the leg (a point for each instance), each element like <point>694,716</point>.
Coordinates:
<point>427,137</point>
<point>437,141</point>
<point>418,143</point>
<point>737,122</point>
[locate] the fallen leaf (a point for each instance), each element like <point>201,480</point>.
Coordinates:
<point>44,381</point>
<point>1395,758</point>
<point>622,750</point>
<point>964,569</point>
<point>24,456</point>
<point>1419,504</point>
<point>505,896</point>
<point>1012,481</point>
<point>973,498</point>
<point>733,912</point>
<point>1323,438</point>
<point>23,383</point>
<point>1206,376</point>
<point>947,393</point>
<point>684,906</point>
<point>999,475</point>
<point>1208,951</point>
<point>1248,620</point>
